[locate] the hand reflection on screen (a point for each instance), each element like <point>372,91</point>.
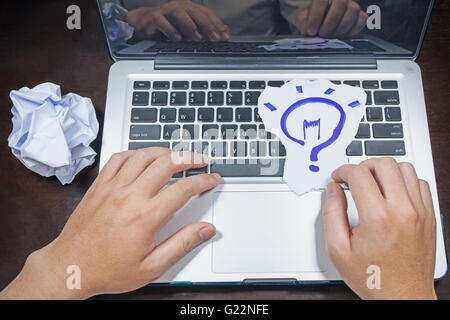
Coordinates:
<point>179,20</point>
<point>331,19</point>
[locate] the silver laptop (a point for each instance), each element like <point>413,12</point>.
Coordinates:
<point>202,96</point>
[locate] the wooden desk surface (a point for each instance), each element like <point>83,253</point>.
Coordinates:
<point>36,47</point>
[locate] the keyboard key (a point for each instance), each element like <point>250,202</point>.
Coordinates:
<point>277,149</point>
<point>243,114</point>
<point>186,115</point>
<point>369,98</point>
<point>190,132</point>
<point>205,114</point>
<point>224,114</point>
<point>263,134</point>
<point>218,149</point>
<point>371,84</point>
<point>145,132</point>
<point>258,149</point>
<point>210,132</point>
<point>374,114</point>
<point>363,131</point>
<point>336,82</point>
<point>143,115</point>
<point>141,145</point>
<point>161,85</point>
<point>238,85</point>
<point>386,97</point>
<point>238,149</point>
<point>355,149</point>
<point>159,98</point>
<point>197,85</point>
<point>257,84</point>
<point>257,116</point>
<point>248,168</point>
<point>180,85</point>
<point>171,132</point>
<point>215,98</point>
<point>141,85</point>
<point>385,148</point>
<point>167,115</point>
<point>229,131</point>
<point>140,98</point>
<point>275,83</point>
<point>200,147</point>
<point>393,114</point>
<point>178,98</point>
<point>234,98</point>
<point>353,83</point>
<point>384,130</point>
<point>180,146</point>
<point>248,131</point>
<point>389,84</point>
<point>251,98</point>
<point>196,98</point>
<point>219,85</point>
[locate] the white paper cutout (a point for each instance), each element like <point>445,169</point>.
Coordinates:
<point>307,44</point>
<point>51,134</point>
<point>315,121</point>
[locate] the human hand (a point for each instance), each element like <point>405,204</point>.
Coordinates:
<point>396,231</point>
<point>331,19</point>
<point>178,20</point>
<point>111,236</point>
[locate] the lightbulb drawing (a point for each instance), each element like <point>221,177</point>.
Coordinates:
<point>315,121</point>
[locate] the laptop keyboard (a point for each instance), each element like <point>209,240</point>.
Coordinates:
<point>220,119</point>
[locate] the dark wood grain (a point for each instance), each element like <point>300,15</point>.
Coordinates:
<point>36,47</point>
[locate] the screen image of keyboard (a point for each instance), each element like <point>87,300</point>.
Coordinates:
<point>220,119</point>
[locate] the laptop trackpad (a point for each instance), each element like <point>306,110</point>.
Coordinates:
<point>267,232</point>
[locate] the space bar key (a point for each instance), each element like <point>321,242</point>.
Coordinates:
<point>248,168</point>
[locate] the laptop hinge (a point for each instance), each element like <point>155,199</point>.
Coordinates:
<point>200,62</point>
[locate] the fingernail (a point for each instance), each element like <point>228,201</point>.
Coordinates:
<point>331,190</point>
<point>206,233</point>
<point>177,37</point>
<point>217,176</point>
<point>198,36</point>
<point>214,36</point>
<point>226,36</point>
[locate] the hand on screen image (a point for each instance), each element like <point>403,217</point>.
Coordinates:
<point>331,19</point>
<point>179,20</point>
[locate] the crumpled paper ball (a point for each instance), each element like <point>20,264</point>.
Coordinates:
<point>51,134</point>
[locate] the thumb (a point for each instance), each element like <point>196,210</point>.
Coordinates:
<point>337,228</point>
<point>177,246</point>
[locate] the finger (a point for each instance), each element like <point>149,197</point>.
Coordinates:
<point>162,169</point>
<point>362,19</point>
<point>333,18</point>
<point>425,194</point>
<point>412,185</point>
<point>301,22</point>
<point>389,178</point>
<point>317,10</point>
<point>163,25</point>
<point>337,228</point>
<point>363,187</point>
<point>138,161</point>
<point>222,28</point>
<point>349,19</point>
<point>113,166</point>
<point>174,248</point>
<point>185,24</point>
<point>205,24</point>
<point>178,194</point>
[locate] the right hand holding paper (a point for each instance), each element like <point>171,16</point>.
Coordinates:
<point>316,121</point>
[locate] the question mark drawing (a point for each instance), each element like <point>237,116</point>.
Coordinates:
<point>330,97</point>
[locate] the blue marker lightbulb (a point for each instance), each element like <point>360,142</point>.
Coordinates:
<point>303,102</point>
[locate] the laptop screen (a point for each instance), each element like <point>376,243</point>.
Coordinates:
<point>142,29</point>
